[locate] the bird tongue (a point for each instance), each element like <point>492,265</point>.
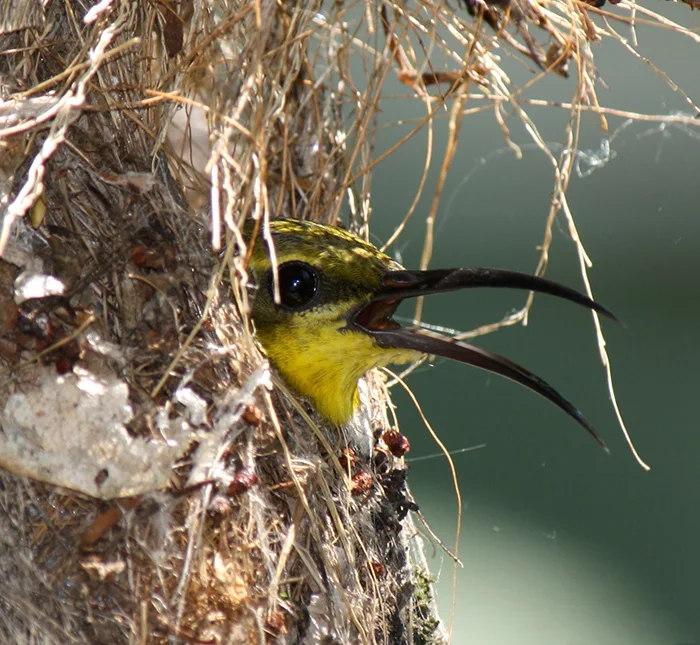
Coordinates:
<point>377,315</point>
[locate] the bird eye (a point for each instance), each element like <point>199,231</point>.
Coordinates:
<point>298,284</point>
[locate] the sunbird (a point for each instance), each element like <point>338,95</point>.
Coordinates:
<point>324,315</point>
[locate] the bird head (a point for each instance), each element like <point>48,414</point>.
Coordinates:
<point>325,316</point>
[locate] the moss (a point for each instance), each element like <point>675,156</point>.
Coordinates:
<point>426,626</point>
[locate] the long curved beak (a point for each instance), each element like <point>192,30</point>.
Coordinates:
<point>375,318</point>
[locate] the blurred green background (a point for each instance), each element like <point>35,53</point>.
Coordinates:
<point>563,545</point>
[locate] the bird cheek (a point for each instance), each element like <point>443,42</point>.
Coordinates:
<point>397,356</point>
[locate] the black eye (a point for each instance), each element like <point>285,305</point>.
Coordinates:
<point>298,284</point>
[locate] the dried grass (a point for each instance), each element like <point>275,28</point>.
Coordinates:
<point>134,139</point>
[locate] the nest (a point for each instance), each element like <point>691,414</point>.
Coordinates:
<point>158,483</point>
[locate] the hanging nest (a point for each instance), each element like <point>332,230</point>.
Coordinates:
<point>158,484</point>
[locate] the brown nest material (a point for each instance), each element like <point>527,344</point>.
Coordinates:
<point>158,484</point>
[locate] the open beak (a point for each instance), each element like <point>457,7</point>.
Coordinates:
<point>375,318</point>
